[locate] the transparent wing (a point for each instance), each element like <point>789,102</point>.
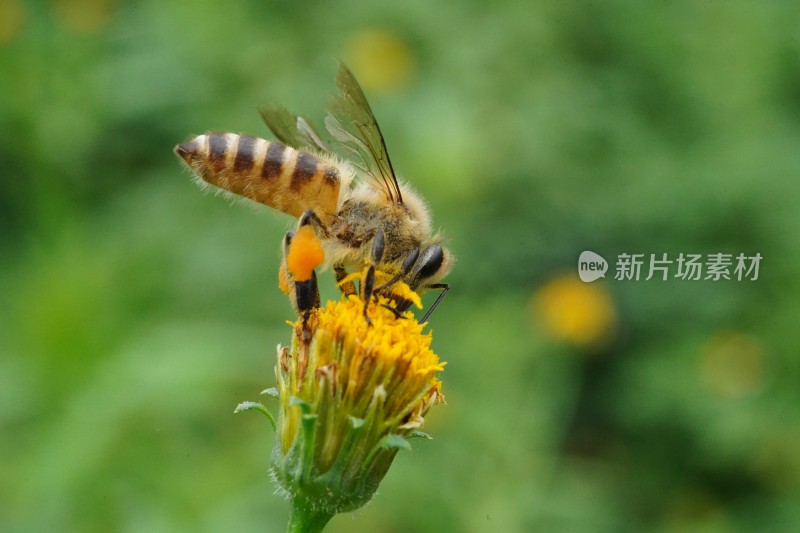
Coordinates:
<point>293,130</point>
<point>351,123</point>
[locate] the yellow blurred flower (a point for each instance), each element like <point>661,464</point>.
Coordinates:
<point>732,364</point>
<point>84,15</point>
<point>382,60</point>
<point>11,17</point>
<point>572,311</point>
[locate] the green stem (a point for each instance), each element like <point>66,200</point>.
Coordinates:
<point>303,518</point>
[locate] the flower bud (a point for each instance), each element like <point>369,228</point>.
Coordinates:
<point>352,391</point>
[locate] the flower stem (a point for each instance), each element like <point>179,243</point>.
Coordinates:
<point>303,518</point>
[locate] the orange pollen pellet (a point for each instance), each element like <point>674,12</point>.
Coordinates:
<point>305,254</point>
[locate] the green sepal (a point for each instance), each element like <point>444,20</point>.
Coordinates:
<point>355,421</point>
<point>347,449</point>
<point>393,440</point>
<point>389,441</point>
<point>302,404</point>
<point>308,423</point>
<point>420,434</point>
<point>255,406</point>
<point>272,391</point>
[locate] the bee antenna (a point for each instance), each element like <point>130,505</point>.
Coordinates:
<point>408,264</point>
<point>444,287</point>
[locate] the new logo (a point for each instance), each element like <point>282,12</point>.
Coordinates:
<point>591,266</point>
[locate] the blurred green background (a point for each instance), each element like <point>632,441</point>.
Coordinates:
<point>137,311</point>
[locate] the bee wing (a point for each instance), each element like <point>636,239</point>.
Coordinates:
<point>351,123</point>
<point>293,130</point>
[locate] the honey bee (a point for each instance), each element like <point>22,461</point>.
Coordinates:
<point>347,191</point>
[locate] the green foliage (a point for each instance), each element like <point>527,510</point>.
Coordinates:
<point>137,312</point>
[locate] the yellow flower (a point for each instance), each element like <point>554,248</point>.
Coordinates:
<point>382,59</point>
<point>84,16</point>
<point>355,385</point>
<point>12,17</point>
<point>351,393</point>
<point>576,312</point>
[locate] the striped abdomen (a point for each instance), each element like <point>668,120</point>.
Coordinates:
<point>265,171</point>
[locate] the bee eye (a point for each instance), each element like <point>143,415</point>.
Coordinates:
<point>410,261</point>
<point>430,262</point>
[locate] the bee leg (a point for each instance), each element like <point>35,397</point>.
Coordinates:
<point>304,295</point>
<point>444,287</point>
<point>368,287</point>
<point>401,304</point>
<point>347,288</point>
<point>309,217</point>
<point>369,282</point>
<point>307,295</point>
<point>395,312</point>
<point>377,247</point>
<point>285,282</point>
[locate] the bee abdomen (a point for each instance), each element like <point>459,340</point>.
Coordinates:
<point>268,172</point>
